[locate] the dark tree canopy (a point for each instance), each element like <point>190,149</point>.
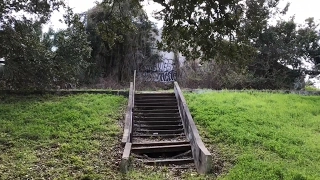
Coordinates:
<point>121,38</point>
<point>237,30</point>
<point>117,38</point>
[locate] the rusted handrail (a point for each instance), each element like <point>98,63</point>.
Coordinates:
<point>202,157</point>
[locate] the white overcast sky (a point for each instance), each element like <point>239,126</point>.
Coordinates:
<point>302,9</point>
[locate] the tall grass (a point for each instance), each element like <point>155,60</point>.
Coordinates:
<point>262,135</point>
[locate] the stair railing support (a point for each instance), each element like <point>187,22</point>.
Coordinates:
<point>202,157</point>
<point>133,94</point>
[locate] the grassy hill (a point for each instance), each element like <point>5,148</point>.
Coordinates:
<point>260,135</point>
<point>67,137</point>
<point>51,137</point>
<point>251,135</point>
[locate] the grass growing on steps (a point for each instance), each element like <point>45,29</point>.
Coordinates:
<point>262,135</point>
<point>50,137</point>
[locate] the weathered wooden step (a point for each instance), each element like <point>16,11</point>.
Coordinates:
<point>151,119</point>
<point>176,110</point>
<point>155,100</point>
<point>155,107</point>
<point>153,94</point>
<point>161,149</point>
<point>168,161</point>
<point>155,127</point>
<point>158,135</point>
<point>157,104</point>
<point>157,122</point>
<point>159,143</point>
<point>163,114</point>
<point>157,117</point>
<point>173,131</point>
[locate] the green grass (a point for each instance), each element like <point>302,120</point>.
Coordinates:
<point>311,88</point>
<point>70,137</point>
<point>261,135</point>
<point>67,137</point>
<point>252,135</point>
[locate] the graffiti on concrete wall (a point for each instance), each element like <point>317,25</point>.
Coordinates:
<point>163,71</point>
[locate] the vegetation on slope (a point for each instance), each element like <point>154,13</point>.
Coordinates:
<point>70,137</point>
<point>60,137</point>
<point>261,135</point>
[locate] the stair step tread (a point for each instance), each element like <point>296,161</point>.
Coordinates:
<point>160,131</point>
<point>154,97</point>
<point>168,161</point>
<point>154,94</point>
<point>157,113</point>
<point>177,118</point>
<point>158,135</point>
<point>176,110</point>
<point>159,143</point>
<point>158,122</point>
<point>155,107</point>
<point>155,104</point>
<point>155,116</point>
<point>155,127</point>
<point>160,99</point>
<point>162,149</point>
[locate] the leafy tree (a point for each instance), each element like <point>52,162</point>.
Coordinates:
<point>239,33</point>
<point>308,42</point>
<point>198,29</point>
<point>71,50</point>
<point>281,46</point>
<point>41,10</point>
<point>31,61</point>
<point>121,38</point>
